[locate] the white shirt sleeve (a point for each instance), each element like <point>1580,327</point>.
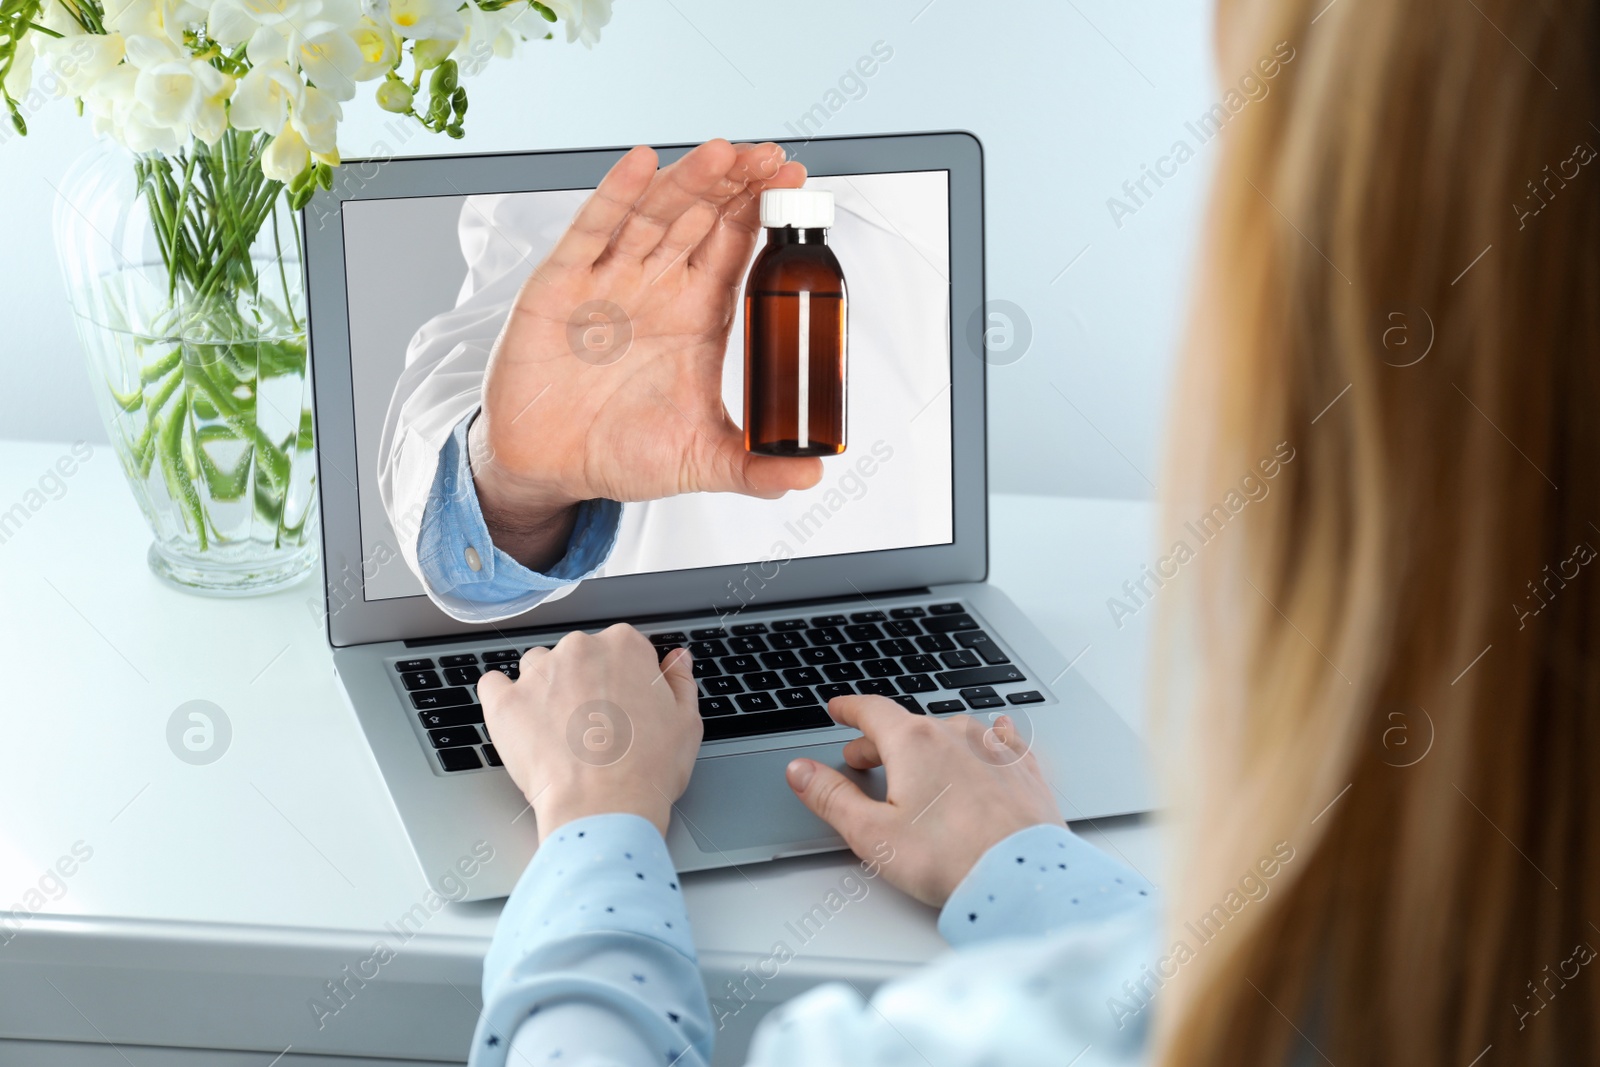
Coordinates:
<point>503,237</point>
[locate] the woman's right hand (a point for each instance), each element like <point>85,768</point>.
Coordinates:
<point>957,786</point>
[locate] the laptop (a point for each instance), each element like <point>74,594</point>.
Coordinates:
<point>873,582</point>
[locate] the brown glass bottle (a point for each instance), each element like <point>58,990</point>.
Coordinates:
<point>795,332</point>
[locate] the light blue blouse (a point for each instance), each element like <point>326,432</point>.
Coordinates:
<point>593,962</point>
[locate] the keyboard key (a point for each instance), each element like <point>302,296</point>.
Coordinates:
<point>406,665</point>
<point>867,616</point>
<point>827,620</point>
<point>907,613</point>
<point>778,661</point>
<point>789,624</point>
<point>843,672</point>
<point>662,651</point>
<point>935,643</point>
<point>493,756</point>
<point>1027,696</point>
<point>451,717</point>
<point>797,697</point>
<point>883,668</point>
<point>746,645</point>
<point>802,676</point>
<point>946,609</point>
<point>826,635</point>
<point>420,680</point>
<point>941,706</point>
<point>740,664</point>
<point>707,647</point>
<point>816,657</point>
<point>834,689</point>
<point>983,645</point>
<point>981,697</point>
<point>961,657</point>
<point>950,623</point>
<point>882,687</point>
<point>454,736</point>
<point>504,655</point>
<point>896,646</point>
<point>441,698</point>
<point>902,628</point>
<point>709,634</point>
<point>771,722</point>
<point>721,687</point>
<point>866,631</point>
<point>466,659</point>
<point>510,670</point>
<point>763,680</point>
<point>789,640</point>
<point>745,629</point>
<point>909,703</point>
<point>858,650</point>
<point>670,638</point>
<point>916,683</point>
<point>459,759</point>
<point>919,664</point>
<point>711,707</point>
<point>756,702</point>
<point>462,675</point>
<point>979,676</point>
<point>706,668</point>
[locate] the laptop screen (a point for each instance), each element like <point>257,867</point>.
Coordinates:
<point>413,263</point>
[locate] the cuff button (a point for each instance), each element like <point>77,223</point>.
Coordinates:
<point>473,560</point>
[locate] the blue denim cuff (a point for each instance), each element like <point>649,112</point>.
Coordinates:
<point>454,536</point>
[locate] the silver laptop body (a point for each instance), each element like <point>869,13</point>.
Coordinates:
<point>399,658</point>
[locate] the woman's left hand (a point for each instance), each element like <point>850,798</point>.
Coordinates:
<point>596,726</point>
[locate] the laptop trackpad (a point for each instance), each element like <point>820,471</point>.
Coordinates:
<point>744,801</point>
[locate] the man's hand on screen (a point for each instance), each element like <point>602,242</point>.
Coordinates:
<point>606,380</point>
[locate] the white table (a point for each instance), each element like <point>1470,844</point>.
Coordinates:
<point>217,900</point>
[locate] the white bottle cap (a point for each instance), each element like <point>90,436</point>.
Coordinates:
<point>804,209</point>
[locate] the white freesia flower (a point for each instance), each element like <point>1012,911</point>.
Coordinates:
<point>172,92</point>
<point>19,79</point>
<point>316,119</point>
<point>380,49</point>
<point>179,91</point>
<point>425,19</point>
<point>80,60</point>
<point>161,19</point>
<point>487,34</point>
<point>584,19</point>
<point>285,156</point>
<point>332,60</point>
<point>150,78</point>
<point>117,112</point>
<point>265,95</point>
<point>57,19</point>
<point>235,21</point>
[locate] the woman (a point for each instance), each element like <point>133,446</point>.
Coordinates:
<point>1389,695</point>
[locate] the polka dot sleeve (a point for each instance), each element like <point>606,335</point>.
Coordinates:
<point>592,962</point>
<point>1036,881</point>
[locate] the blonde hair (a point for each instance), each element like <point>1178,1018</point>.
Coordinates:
<point>1419,574</point>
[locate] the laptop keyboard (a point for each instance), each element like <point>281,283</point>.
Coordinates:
<point>759,678</point>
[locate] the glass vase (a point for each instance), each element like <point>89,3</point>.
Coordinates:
<point>183,274</point>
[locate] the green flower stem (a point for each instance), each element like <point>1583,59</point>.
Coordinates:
<point>208,205</point>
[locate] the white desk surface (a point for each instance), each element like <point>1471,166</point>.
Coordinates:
<point>250,882</point>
